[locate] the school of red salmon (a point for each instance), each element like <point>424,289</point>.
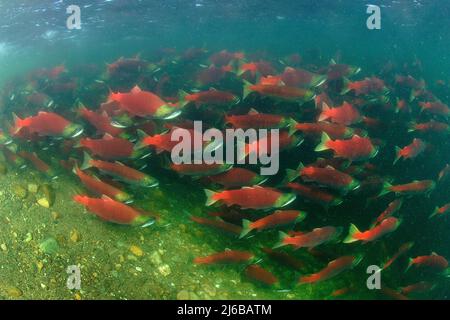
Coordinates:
<point>105,124</point>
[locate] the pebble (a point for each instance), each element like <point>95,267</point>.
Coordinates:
<point>136,251</point>
<point>49,246</point>
<point>33,188</point>
<point>183,295</point>
<point>43,202</point>
<point>14,292</point>
<point>164,270</point>
<point>20,191</point>
<point>3,247</point>
<point>74,235</point>
<point>155,258</point>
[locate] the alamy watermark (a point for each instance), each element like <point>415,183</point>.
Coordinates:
<point>74,279</point>
<point>236,146</point>
<point>74,20</point>
<point>374,20</point>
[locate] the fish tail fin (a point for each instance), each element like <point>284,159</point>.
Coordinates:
<point>351,234</point>
<point>345,86</point>
<point>246,228</point>
<point>141,137</point>
<point>324,114</point>
<point>385,189</point>
<point>411,126</point>
<point>86,161</point>
<point>18,123</point>
<point>292,127</point>
<point>435,213</point>
<point>291,175</point>
<point>397,155</point>
<point>79,198</point>
<point>210,197</point>
<point>182,101</point>
<point>247,89</point>
<point>322,146</point>
<point>410,263</point>
<point>282,237</point>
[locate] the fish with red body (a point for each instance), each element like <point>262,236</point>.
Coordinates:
<point>264,144</point>
<point>436,108</point>
<point>127,65</point>
<point>386,226</point>
<point>255,120</point>
<point>333,130</point>
<point>48,124</point>
<point>255,197</point>
<point>345,114</point>
<point>258,273</point>
<point>211,96</point>
<point>338,71</point>
<point>409,82</point>
<point>412,188</point>
<point>441,211</point>
<point>367,86</point>
<point>219,224</point>
<point>328,176</point>
<point>224,57</point>
<point>444,173</point>
<point>311,239</point>
<point>212,75</point>
<point>200,170</point>
<point>163,142</point>
<point>38,99</point>
<point>315,195</point>
<point>410,151</point>
<point>419,287</point>
<point>433,261</point>
<point>430,126</point>
<point>227,256</point>
<point>392,208</point>
<point>38,164</point>
<point>279,92</point>
<point>284,258</point>
<point>144,104</point>
<point>355,149</point>
<point>110,148</point>
<point>401,251</point>
<point>278,218</point>
<point>120,171</point>
<point>116,212</point>
<point>102,122</point>
<point>302,78</point>
<point>238,177</point>
<point>102,188</point>
<point>333,268</point>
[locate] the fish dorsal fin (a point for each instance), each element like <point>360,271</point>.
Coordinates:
<point>325,106</point>
<point>329,167</point>
<point>434,254</point>
<point>41,113</point>
<point>104,114</point>
<point>107,136</point>
<point>119,163</point>
<point>212,89</point>
<point>136,89</point>
<point>106,198</point>
<point>253,111</point>
<point>332,61</point>
<point>289,69</point>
